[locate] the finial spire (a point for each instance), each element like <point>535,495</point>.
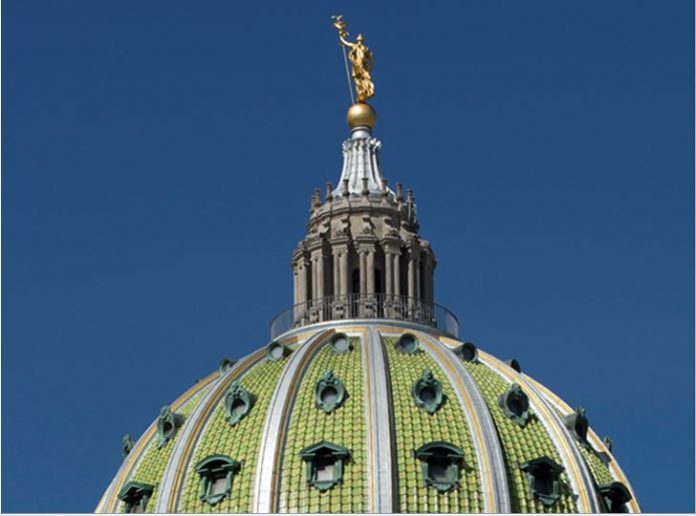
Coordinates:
<point>360,175</point>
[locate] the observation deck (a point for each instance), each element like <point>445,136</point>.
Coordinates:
<point>369,306</point>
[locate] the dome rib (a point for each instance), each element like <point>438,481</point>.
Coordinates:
<point>185,445</point>
<point>614,467</point>
<point>520,444</point>
<point>414,427</point>
<point>578,473</point>
<point>151,466</point>
<point>486,442</point>
<point>109,501</point>
<point>379,427</point>
<point>240,441</point>
<point>344,428</point>
<point>277,421</point>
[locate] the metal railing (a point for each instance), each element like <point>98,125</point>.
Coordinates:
<point>366,306</point>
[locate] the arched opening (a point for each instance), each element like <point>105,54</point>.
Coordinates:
<point>354,304</point>
<point>421,279</point>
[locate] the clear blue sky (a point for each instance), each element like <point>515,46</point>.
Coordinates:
<point>158,159</point>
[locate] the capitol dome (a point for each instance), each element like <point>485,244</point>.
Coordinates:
<point>366,398</point>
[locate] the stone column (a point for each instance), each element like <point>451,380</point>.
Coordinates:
<point>343,266</point>
<point>336,272</point>
<point>319,289</point>
<point>303,280</point>
<point>343,273</point>
<point>388,273</point>
<point>313,282</point>
<point>411,274</point>
<point>397,274</point>
<point>295,284</point>
<point>419,273</point>
<point>302,290</point>
<point>370,272</point>
<point>363,271</point>
<point>340,267</point>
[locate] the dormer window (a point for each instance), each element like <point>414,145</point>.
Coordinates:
<point>127,444</point>
<point>329,392</point>
<point>608,442</point>
<point>167,424</point>
<point>225,365</point>
<point>238,402</point>
<point>407,343</point>
<point>616,496</point>
<point>515,404</point>
<point>441,463</point>
<point>325,463</point>
<point>135,496</point>
<point>467,352</point>
<point>577,423</point>
<point>276,351</point>
<point>216,472</point>
<point>427,392</point>
<point>340,343</point>
<point>543,477</point>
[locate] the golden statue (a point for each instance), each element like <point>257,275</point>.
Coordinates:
<point>360,57</point>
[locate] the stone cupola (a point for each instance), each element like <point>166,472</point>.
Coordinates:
<point>362,253</point>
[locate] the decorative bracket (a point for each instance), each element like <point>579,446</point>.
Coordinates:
<point>238,403</point>
<point>329,392</point>
<point>515,404</point>
<point>427,392</point>
<point>167,425</point>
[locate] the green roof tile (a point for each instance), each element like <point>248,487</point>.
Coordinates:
<point>345,427</point>
<point>151,468</point>
<point>240,442</point>
<point>520,444</point>
<point>415,427</point>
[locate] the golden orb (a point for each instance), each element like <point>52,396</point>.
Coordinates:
<point>361,115</point>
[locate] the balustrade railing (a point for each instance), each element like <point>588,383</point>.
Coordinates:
<point>365,306</point>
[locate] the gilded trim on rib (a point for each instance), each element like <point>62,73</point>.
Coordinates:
<point>614,468</point>
<point>270,450</point>
<point>109,501</point>
<point>578,474</point>
<point>484,436</point>
<point>182,452</point>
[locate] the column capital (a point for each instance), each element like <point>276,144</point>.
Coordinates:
<point>299,251</point>
<point>391,245</point>
<point>339,240</point>
<point>365,247</point>
<point>339,248</point>
<point>301,261</point>
<point>414,248</point>
<point>318,250</point>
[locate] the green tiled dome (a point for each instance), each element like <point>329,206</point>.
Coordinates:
<point>363,454</point>
<point>365,401</point>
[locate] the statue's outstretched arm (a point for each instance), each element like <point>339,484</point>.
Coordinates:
<point>344,41</point>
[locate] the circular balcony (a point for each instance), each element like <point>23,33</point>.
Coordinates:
<point>368,306</point>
